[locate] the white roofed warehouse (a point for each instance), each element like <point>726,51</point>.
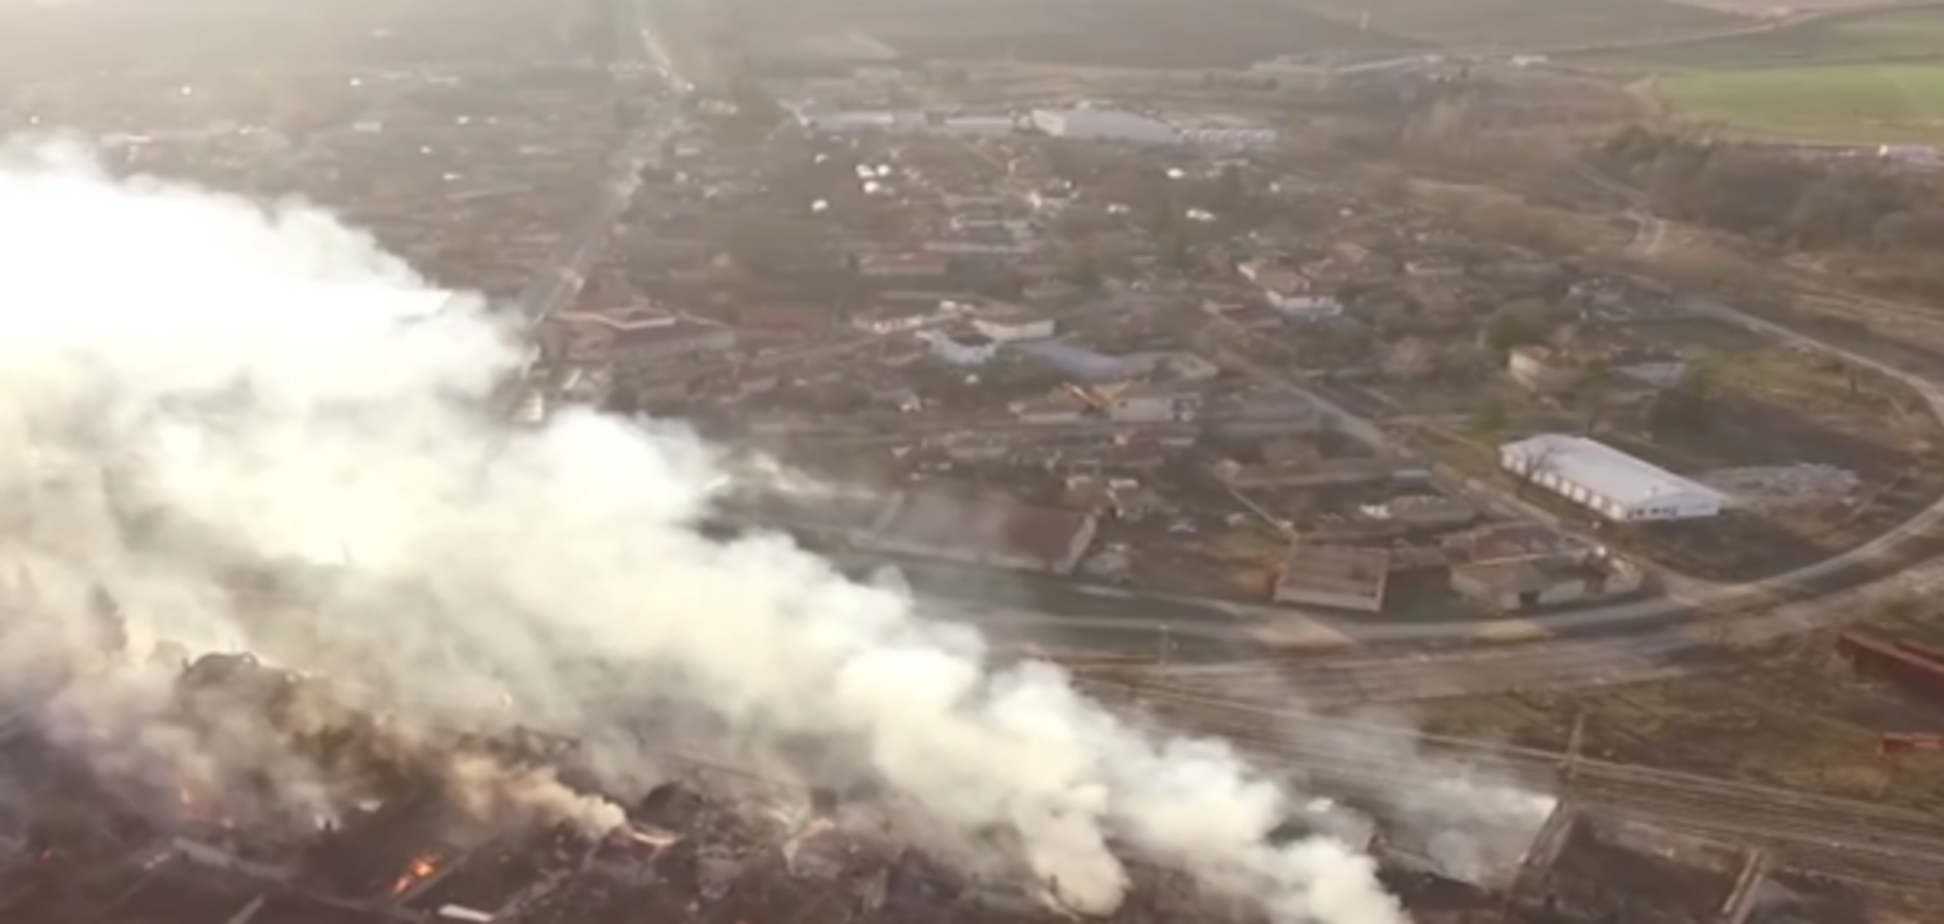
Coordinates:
<point>1617,486</point>
<point>1103,125</point>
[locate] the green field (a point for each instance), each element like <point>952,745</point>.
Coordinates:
<point>1513,24</point>
<point>1864,36</point>
<point>1841,104</point>
<point>1865,77</point>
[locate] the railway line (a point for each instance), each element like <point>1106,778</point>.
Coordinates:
<point>1680,645</point>
<point>1862,844</point>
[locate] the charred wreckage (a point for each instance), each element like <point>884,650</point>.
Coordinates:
<point>112,840</point>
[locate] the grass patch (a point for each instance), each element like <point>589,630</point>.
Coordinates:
<point>1874,36</point>
<point>1849,104</point>
<point>1524,23</point>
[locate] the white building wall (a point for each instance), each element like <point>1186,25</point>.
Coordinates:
<point>1150,409</point>
<point>1048,417</point>
<point>1304,596</point>
<point>977,127</point>
<point>1103,125</point>
<point>959,354</point>
<point>1017,331</point>
<point>1304,307</point>
<point>1667,502</point>
<point>893,325</point>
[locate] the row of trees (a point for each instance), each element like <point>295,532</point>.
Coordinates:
<point>1782,200</point>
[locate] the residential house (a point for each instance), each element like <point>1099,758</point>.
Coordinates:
<point>891,317</point>
<point>1059,407</point>
<point>1423,511</point>
<point>960,347</point>
<point>1514,584</point>
<point>1289,292</point>
<point>1014,324</point>
<point>1543,370</point>
<point>635,341</point>
<point>1433,268</point>
<point>1148,402</point>
<point>908,265</point>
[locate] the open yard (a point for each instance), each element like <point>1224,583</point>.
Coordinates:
<point>1780,407</point>
<point>1843,104</point>
<point>1819,458</point>
<point>1793,716</point>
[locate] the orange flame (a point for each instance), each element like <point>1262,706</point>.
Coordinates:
<point>420,869</point>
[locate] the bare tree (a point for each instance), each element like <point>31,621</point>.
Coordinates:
<point>1592,394</point>
<point>1529,465</point>
<point>1409,360</point>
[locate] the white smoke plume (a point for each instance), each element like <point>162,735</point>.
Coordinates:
<point>1469,818</point>
<point>198,390</point>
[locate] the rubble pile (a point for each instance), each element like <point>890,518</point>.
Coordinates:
<point>87,839</point>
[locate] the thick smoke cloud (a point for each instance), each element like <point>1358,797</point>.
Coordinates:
<point>260,433</point>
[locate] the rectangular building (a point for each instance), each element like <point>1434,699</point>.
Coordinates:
<point>915,264</point>
<point>1014,324</point>
<point>633,341</point>
<point>1338,577</point>
<point>970,525</point>
<point>1103,125</point>
<point>1542,370</point>
<point>1611,483</point>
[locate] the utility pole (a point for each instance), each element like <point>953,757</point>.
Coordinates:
<point>1569,764</point>
<point>1163,653</point>
<point>1534,868</point>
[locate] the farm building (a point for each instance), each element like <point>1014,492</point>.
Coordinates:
<point>1607,481</point>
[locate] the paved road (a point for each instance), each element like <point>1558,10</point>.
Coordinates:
<point>561,280</point>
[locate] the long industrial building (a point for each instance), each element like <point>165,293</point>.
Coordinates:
<point>1611,483</point>
<point>1103,125</point>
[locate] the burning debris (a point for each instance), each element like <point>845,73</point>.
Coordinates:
<point>303,457</point>
<point>406,840</point>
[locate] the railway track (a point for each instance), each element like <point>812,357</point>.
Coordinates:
<point>1344,681</point>
<point>1334,681</point>
<point>1867,845</point>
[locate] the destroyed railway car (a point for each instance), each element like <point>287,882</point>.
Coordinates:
<point>1913,666</point>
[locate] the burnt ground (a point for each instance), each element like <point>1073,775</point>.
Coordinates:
<point>1792,715</point>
